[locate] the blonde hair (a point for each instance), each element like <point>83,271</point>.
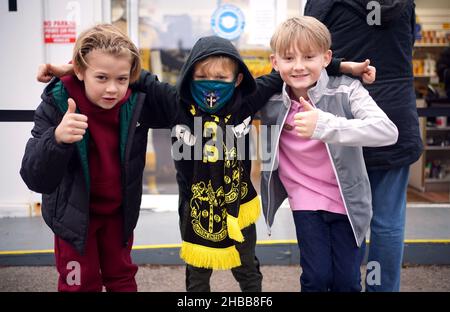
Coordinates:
<point>304,32</point>
<point>214,60</point>
<point>109,39</point>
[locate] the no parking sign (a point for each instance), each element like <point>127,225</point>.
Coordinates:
<point>60,31</point>
<point>228,22</point>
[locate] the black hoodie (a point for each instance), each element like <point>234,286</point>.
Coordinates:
<point>388,45</point>
<point>248,98</point>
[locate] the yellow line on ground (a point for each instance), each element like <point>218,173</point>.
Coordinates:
<point>265,242</point>
<point>139,247</point>
<point>407,241</point>
<point>25,252</point>
<point>277,241</point>
<point>425,241</point>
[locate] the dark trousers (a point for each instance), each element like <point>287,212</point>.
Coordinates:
<point>329,256</point>
<point>248,274</point>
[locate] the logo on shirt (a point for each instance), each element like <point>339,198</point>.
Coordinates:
<point>288,127</point>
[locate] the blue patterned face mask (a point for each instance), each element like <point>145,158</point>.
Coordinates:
<point>211,95</point>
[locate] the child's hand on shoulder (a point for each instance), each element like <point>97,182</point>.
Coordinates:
<point>360,69</point>
<point>364,70</point>
<point>47,71</point>
<point>306,120</point>
<point>72,127</point>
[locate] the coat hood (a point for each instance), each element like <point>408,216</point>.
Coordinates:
<point>211,46</point>
<point>390,9</point>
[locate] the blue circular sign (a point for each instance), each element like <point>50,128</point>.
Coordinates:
<point>228,22</point>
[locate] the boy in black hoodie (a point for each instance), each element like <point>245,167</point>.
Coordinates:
<point>218,198</point>
<point>210,113</point>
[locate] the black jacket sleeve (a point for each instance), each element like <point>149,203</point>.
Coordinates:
<point>161,100</point>
<point>266,87</point>
<point>333,69</point>
<point>45,161</point>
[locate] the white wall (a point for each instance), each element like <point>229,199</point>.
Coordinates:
<point>22,50</point>
<point>84,12</point>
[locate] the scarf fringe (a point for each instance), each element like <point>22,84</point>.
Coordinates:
<point>234,231</point>
<point>210,258</point>
<point>249,212</point>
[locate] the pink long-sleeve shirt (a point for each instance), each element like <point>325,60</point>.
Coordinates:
<point>306,171</point>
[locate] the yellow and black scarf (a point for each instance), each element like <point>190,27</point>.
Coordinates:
<point>222,201</point>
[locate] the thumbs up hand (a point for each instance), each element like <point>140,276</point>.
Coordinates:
<point>72,127</point>
<point>306,120</point>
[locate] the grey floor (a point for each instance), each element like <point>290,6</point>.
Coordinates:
<point>170,278</point>
<point>159,229</point>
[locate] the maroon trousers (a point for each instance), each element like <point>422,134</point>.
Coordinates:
<point>106,262</point>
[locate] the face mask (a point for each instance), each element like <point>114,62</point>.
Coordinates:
<point>211,95</point>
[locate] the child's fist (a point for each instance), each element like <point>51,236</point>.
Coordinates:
<point>365,71</point>
<point>47,71</point>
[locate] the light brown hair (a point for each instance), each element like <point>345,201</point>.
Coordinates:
<point>108,39</point>
<point>214,60</point>
<point>304,32</point>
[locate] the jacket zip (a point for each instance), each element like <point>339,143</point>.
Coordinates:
<point>340,192</point>
<point>53,102</point>
<point>124,165</point>
<point>269,231</point>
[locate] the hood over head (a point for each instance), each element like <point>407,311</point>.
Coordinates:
<point>213,46</point>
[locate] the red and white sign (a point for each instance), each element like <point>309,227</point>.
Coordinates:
<point>60,31</point>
